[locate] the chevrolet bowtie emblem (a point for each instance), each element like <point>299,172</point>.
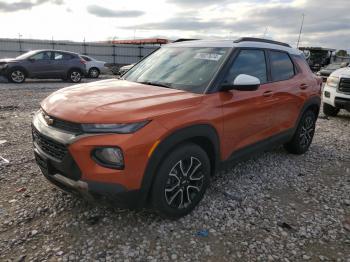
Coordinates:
<point>48,120</point>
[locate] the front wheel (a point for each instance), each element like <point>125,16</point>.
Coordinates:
<point>16,76</point>
<point>304,134</point>
<point>181,181</point>
<point>74,76</point>
<point>329,110</point>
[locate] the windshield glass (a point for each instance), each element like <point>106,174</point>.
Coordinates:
<point>186,68</point>
<point>26,55</point>
<point>333,66</point>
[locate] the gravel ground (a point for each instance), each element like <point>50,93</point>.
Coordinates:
<point>273,207</point>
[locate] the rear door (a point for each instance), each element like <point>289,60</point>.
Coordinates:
<point>287,88</point>
<point>247,114</point>
<point>61,63</point>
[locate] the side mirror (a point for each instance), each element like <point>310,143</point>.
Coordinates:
<point>243,83</point>
<point>31,60</point>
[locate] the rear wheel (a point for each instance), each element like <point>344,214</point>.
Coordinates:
<point>181,181</point>
<point>94,72</point>
<point>304,134</point>
<point>329,110</point>
<point>74,76</point>
<point>16,76</point>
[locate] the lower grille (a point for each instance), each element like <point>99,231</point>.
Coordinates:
<point>344,85</point>
<point>48,145</point>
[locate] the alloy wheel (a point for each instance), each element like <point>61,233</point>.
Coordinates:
<point>17,76</point>
<point>184,183</point>
<point>75,76</point>
<point>307,131</point>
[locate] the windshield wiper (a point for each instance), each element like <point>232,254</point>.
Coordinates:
<point>156,84</point>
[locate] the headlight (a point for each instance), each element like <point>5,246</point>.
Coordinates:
<point>333,81</point>
<point>114,128</point>
<point>3,66</point>
<point>111,157</point>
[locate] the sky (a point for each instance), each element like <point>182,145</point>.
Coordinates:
<point>326,24</point>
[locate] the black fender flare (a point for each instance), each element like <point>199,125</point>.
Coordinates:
<point>311,103</point>
<point>205,131</point>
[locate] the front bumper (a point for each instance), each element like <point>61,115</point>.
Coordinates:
<point>69,174</point>
<point>332,95</point>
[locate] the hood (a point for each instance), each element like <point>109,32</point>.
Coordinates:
<point>342,72</point>
<point>326,71</point>
<point>116,101</point>
<point>6,60</point>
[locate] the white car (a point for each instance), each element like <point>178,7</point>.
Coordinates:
<point>94,67</point>
<point>336,93</point>
<point>125,69</point>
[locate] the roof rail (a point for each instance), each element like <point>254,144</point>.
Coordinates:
<point>262,40</point>
<point>185,39</point>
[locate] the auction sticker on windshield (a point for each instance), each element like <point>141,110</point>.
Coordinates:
<point>208,56</point>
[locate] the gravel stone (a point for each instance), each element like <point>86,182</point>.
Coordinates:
<point>274,206</point>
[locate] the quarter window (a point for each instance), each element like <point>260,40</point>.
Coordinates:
<point>282,67</point>
<point>249,62</point>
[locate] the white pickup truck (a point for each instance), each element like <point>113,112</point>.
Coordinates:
<point>336,93</point>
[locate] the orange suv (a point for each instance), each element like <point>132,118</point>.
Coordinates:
<point>158,134</point>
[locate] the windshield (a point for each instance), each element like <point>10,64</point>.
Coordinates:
<point>333,66</point>
<point>26,55</point>
<point>185,68</point>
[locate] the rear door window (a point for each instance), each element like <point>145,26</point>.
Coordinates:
<point>282,67</point>
<point>62,56</point>
<point>248,62</point>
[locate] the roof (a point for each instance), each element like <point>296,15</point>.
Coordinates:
<point>141,41</point>
<point>234,43</point>
<point>52,50</point>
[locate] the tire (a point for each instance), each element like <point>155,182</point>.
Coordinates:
<point>74,76</point>
<point>329,110</point>
<point>175,192</point>
<point>304,134</point>
<point>94,72</point>
<point>17,76</point>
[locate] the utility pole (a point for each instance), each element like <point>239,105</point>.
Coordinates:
<point>301,29</point>
<point>53,43</point>
<point>20,43</point>
<point>84,47</point>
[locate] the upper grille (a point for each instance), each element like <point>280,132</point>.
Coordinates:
<point>344,85</point>
<point>48,145</point>
<point>66,126</point>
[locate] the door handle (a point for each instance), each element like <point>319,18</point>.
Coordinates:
<point>304,86</point>
<point>267,93</point>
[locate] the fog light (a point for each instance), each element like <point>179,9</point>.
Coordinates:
<point>111,157</point>
<point>327,94</point>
